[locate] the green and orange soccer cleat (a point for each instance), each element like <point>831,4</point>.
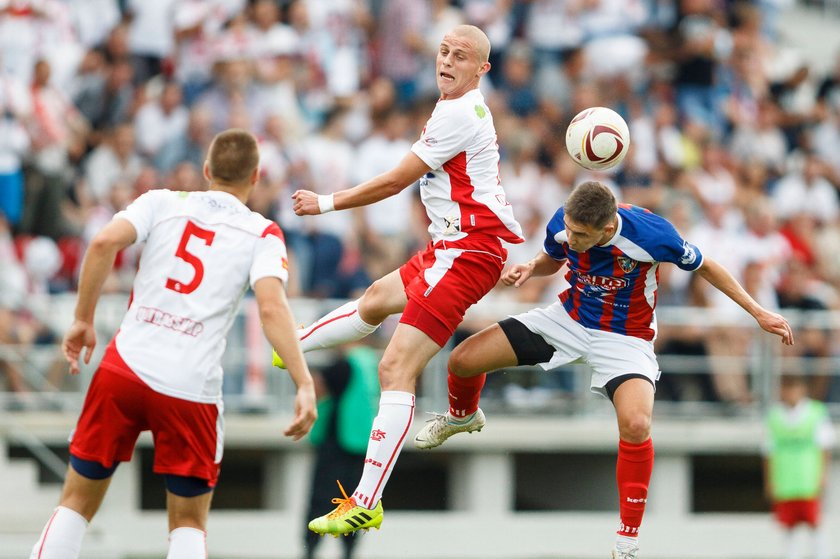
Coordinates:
<point>347,517</point>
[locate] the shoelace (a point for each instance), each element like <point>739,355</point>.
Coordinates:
<point>436,416</point>
<point>628,554</point>
<point>344,504</point>
<point>440,420</point>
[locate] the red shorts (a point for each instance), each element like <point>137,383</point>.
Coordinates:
<point>188,435</point>
<point>443,280</point>
<point>791,513</point>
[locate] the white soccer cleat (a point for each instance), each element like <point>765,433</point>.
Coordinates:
<point>625,551</point>
<point>443,426</point>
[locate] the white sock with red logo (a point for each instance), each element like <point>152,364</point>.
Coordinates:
<point>340,326</point>
<point>187,543</point>
<point>62,536</point>
<point>390,429</point>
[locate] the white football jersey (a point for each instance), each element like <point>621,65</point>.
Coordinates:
<point>463,193</point>
<point>203,250</point>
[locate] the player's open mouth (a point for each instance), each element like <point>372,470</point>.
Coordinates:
<point>446,76</point>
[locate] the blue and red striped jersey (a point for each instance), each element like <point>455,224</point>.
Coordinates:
<point>612,287</point>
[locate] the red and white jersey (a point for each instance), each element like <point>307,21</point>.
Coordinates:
<point>202,251</point>
<point>463,193</point>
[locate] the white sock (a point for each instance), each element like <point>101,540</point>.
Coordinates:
<point>790,545</point>
<point>623,543</point>
<point>187,543</point>
<point>62,536</point>
<point>821,544</point>
<point>340,326</point>
<point>390,429</point>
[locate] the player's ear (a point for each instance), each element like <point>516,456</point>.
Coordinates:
<point>206,171</point>
<point>255,175</point>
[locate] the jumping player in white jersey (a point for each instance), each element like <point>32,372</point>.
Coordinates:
<point>456,160</point>
<point>162,371</point>
<point>605,318</point>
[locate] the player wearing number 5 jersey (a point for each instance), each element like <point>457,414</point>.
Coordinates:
<point>162,371</point>
<point>456,161</point>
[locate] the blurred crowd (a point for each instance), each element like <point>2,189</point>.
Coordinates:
<point>735,137</point>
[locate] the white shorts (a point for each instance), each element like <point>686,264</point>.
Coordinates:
<point>609,354</point>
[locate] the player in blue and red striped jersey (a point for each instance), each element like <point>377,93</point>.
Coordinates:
<point>605,318</point>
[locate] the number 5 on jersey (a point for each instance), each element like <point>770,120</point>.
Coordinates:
<point>191,230</point>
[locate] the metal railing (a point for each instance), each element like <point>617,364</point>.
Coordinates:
<point>252,385</point>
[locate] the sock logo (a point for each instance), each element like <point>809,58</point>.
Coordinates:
<point>632,500</point>
<point>377,435</point>
<point>373,462</point>
<point>624,529</point>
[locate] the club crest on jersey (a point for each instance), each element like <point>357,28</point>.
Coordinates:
<point>689,254</point>
<point>453,225</point>
<point>627,265</point>
<point>377,435</point>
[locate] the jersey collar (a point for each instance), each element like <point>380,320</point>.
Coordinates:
<point>618,225</point>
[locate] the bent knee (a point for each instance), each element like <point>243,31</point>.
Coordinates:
<point>635,427</point>
<point>377,304</point>
<point>462,361</point>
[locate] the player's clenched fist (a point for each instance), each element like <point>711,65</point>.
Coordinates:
<point>305,203</point>
<point>517,274</point>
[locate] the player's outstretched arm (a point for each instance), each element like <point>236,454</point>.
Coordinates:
<point>720,277</point>
<point>409,170</point>
<point>97,264</point>
<point>540,265</point>
<point>279,327</point>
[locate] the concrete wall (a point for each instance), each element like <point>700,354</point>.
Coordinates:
<point>479,520</point>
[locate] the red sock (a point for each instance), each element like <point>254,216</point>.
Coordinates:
<point>464,393</point>
<point>632,472</point>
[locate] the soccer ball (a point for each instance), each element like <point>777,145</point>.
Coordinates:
<point>597,138</point>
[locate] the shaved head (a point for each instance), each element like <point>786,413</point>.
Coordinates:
<point>476,37</point>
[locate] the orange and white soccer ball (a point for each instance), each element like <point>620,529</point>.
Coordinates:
<point>597,138</point>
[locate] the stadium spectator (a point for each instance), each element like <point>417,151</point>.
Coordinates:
<point>516,86</point>
<point>174,392</point>
<point>797,459</point>
<point>805,189</point>
<point>115,158</point>
<point>161,119</point>
<point>234,90</point>
<point>106,99</point>
<point>189,146</point>
<point>12,293</point>
<point>197,24</point>
<point>402,46</point>
<point>276,75</point>
<point>150,36</point>
<point>59,139</point>
<point>383,231</point>
<point>93,20</point>
<point>702,41</point>
<point>433,289</point>
<point>605,320</point>
<point>15,109</point>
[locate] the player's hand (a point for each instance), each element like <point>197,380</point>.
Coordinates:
<point>776,324</point>
<point>517,274</point>
<point>305,413</point>
<point>80,335</point>
<point>305,203</point>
